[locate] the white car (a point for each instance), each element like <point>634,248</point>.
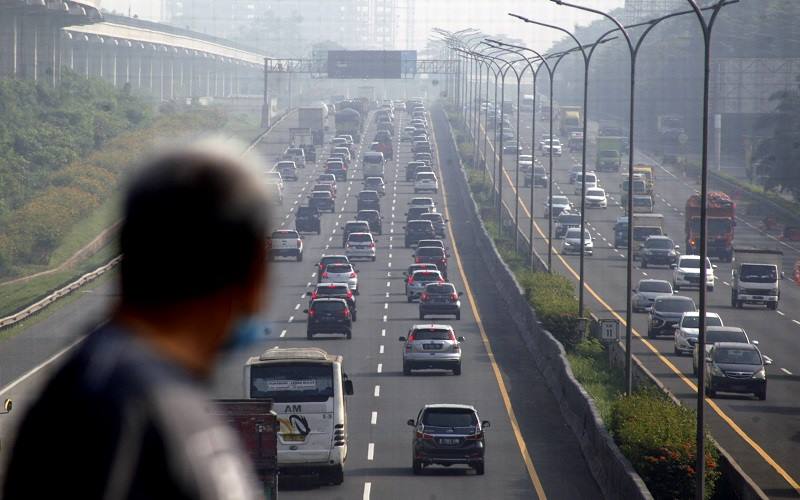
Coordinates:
<point>275,177</point>
<point>596,198</point>
<point>426,181</point>
<point>360,245</point>
<point>556,145</point>
<point>688,329</point>
<point>572,242</point>
<point>560,204</point>
<point>591,182</point>
<point>421,201</point>
<point>341,273</point>
<point>686,273</point>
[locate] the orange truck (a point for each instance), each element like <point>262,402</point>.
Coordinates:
<point>721,215</point>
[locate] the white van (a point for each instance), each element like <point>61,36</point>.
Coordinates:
<point>308,389</point>
<point>591,182</point>
<point>373,164</point>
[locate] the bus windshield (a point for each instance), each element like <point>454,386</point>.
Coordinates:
<point>291,382</point>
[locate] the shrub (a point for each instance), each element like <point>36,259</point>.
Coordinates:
<point>658,437</point>
<point>556,307</point>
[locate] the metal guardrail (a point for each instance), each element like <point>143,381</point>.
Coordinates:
<point>37,306</point>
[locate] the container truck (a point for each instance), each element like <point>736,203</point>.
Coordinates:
<point>313,118</point>
<point>755,277</point>
<point>348,121</point>
<point>721,215</point>
<point>257,426</point>
<point>609,153</point>
<point>569,118</point>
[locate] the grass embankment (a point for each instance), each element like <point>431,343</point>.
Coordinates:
<point>654,433</point>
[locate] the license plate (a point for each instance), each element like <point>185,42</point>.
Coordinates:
<point>449,441</point>
<point>758,297</point>
<point>294,438</point>
<point>430,347</point>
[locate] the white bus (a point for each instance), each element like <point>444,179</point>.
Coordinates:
<point>373,164</point>
<point>308,389</point>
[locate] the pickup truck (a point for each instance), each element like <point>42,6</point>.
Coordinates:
<point>286,243</point>
<point>257,426</point>
<point>755,277</point>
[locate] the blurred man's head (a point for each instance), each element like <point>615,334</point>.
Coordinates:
<point>193,241</point>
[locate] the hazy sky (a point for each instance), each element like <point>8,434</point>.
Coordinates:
<point>489,16</point>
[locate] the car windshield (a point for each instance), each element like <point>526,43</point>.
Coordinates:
<point>368,196</point>
<point>431,243</point>
<point>339,259</point>
<point>560,200</point>
<point>576,233</point>
<point>642,202</point>
<point>714,336</point>
<point>694,321</point>
<point>449,417</point>
<point>332,290</point>
<point>430,252</point>
<point>431,333</point>
<point>595,192</point>
<point>419,267</point>
<point>304,211</point>
<point>755,273</point>
<point>655,287</point>
<point>425,276</point>
<point>359,238</point>
<point>675,305</point>
<point>693,264</point>
<point>285,234</point>
<point>569,219</point>
<point>433,217</point>
<point>426,176</point>
<point>641,233</point>
<point>327,306</point>
<point>732,356</point>
<point>428,202</point>
<point>291,382</point>
<point>321,194</point>
<point>659,243</point>
<point>446,288</point>
<point>339,268</point>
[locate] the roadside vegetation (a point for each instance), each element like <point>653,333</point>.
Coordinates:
<point>63,153</point>
<point>653,432</point>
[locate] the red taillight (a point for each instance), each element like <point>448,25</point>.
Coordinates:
<point>321,267</point>
<point>299,243</point>
<point>312,312</point>
<point>346,312</point>
<point>475,437</point>
<point>454,296</point>
<point>408,280</point>
<point>353,275</point>
<point>372,245</point>
<point>349,294</point>
<point>440,280</point>
<point>325,274</point>
<point>422,435</point>
<point>417,260</point>
<point>314,295</point>
<point>424,296</point>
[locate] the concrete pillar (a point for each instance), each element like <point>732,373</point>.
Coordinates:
<point>10,43</point>
<point>215,64</point>
<point>28,61</point>
<point>207,66</point>
<point>96,56</point>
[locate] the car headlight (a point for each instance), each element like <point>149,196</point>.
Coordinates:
<point>760,375</point>
<point>567,244</point>
<point>715,370</point>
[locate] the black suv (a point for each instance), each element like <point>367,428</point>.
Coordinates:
<point>432,255</point>
<point>374,218</point>
<point>666,313</point>
<point>659,250</point>
<point>329,316</point>
<point>418,230</point>
<point>368,200</point>
<point>353,226</point>
<point>411,169</point>
<point>415,212</point>
<point>440,298</point>
<point>447,434</point>
<point>307,220</point>
<point>334,291</point>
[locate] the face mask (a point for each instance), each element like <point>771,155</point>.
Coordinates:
<point>248,331</point>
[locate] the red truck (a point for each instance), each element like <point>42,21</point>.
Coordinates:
<point>257,426</point>
<point>721,214</point>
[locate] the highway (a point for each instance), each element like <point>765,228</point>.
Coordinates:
<point>529,448</point>
<point>763,436</point>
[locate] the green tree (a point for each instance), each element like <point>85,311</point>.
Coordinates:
<point>779,152</point>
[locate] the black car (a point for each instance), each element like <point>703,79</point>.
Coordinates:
<point>322,200</point>
<point>334,291</point>
<point>411,169</point>
<point>310,151</point>
<point>735,367</point>
<point>440,298</point>
<point>659,250</point>
<point>448,434</point>
<point>418,230</point>
<point>354,226</point>
<point>368,200</point>
<point>307,220</point>
<point>431,255</point>
<point>337,169</point>
<point>383,136</point>
<point>329,259</point>
<point>373,218</point>
<point>329,316</point>
<point>415,212</point>
<point>666,312</point>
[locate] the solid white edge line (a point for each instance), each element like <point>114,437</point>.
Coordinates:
<point>41,365</point>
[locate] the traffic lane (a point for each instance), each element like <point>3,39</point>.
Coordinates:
<point>553,447</point>
<point>763,428</point>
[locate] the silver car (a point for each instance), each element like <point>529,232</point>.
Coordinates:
<point>688,329</point>
<point>432,346</point>
<point>341,273</point>
<point>646,292</point>
<point>416,284</point>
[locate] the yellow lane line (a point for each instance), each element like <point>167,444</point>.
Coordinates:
<point>523,449</point>
<point>724,416</point>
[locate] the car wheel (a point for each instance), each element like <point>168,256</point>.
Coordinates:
<point>773,306</point>
<point>676,351</point>
<point>373,259</point>
<point>734,302</point>
<point>458,315</point>
<point>409,298</point>
<point>650,333</point>
<point>417,467</point>
<point>309,335</point>
<point>710,392</point>
<point>336,476</point>
<point>349,334</point>
<point>479,468</point>
<point>300,257</point>
<point>710,288</point>
<point>644,264</point>
<point>694,368</point>
<point>762,394</point>
<point>676,287</point>
<point>457,370</point>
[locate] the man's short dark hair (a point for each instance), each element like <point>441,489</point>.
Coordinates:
<point>194,223</point>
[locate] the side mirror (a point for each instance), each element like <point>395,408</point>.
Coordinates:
<point>405,273</point>
<point>305,311</point>
<point>713,266</point>
<point>633,290</point>
<point>486,424</point>
<point>7,405</point>
<point>783,275</point>
<point>411,422</point>
<point>348,387</point>
<point>767,361</point>
<point>673,266</point>
<point>677,247</point>
<point>708,359</point>
<point>461,339</point>
<point>401,339</point>
<point>754,342</point>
